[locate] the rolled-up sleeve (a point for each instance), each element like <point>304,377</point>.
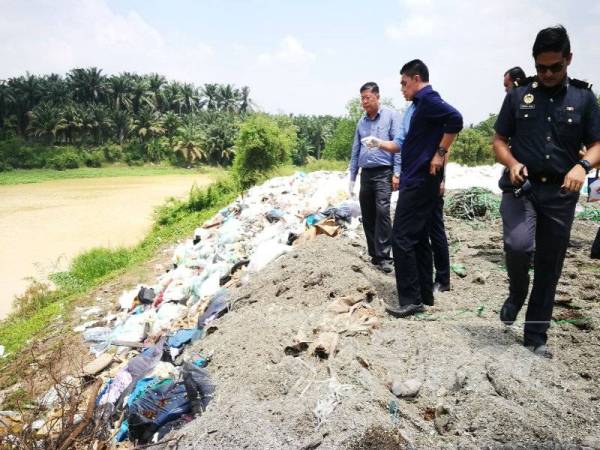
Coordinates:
<point>355,155</point>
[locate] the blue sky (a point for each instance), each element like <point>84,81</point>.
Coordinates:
<point>299,56</point>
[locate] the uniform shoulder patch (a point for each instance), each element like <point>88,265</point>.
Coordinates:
<point>580,84</point>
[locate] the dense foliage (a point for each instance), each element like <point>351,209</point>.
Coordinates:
<point>88,118</point>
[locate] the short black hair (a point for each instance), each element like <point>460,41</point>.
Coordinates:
<point>415,67</point>
<point>552,39</point>
<point>516,74</point>
<point>370,86</point>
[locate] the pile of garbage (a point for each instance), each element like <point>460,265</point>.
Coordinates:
<point>158,386</point>
<point>473,203</point>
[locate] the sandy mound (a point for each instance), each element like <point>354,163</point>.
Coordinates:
<point>480,387</point>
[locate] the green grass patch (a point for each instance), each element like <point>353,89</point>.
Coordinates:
<point>590,213</point>
<point>117,170</point>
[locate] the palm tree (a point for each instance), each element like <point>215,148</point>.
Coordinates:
<point>189,97</point>
<point>55,89</point>
<point>89,85</point>
<point>171,122</point>
<point>27,94</point>
<point>140,94</point>
<point>171,96</point>
<point>211,94</point>
<point>245,103</point>
<point>101,123</point>
<point>122,123</point>
<point>155,84</point>
<point>188,143</point>
<point>120,88</point>
<point>226,98</point>
<point>72,115</point>
<point>46,121</point>
<point>7,99</point>
<point>148,124</point>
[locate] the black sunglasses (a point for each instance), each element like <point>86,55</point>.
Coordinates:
<point>554,68</point>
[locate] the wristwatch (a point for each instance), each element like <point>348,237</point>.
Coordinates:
<point>442,150</point>
<point>585,164</point>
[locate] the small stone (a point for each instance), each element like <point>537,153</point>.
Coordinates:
<point>480,277</point>
<point>406,389</point>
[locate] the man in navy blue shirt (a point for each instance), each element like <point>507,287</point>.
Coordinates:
<point>546,119</point>
<point>433,128</point>
<point>379,172</point>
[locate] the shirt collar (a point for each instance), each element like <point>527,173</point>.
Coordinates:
<point>366,116</point>
<point>422,92</point>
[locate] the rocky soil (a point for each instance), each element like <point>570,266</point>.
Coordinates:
<point>473,383</point>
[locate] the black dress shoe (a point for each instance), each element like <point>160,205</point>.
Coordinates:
<point>385,266</point>
<point>405,311</point>
<point>508,313</point>
<point>439,287</point>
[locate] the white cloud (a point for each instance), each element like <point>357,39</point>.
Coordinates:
<point>290,51</point>
<point>43,36</point>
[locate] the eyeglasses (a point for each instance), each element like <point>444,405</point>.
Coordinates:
<point>554,68</point>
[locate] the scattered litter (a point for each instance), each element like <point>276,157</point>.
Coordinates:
<point>152,324</point>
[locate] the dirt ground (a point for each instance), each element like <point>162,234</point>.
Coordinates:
<point>480,387</point>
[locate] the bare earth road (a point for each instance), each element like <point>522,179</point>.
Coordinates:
<point>43,225</point>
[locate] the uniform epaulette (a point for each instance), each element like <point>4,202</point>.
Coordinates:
<point>523,82</point>
<point>580,84</point>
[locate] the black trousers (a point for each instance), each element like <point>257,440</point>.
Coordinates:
<point>540,220</point>
<point>374,197</point>
<point>439,243</point>
<point>413,260</point>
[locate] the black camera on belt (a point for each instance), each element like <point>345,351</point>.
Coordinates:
<point>524,187</point>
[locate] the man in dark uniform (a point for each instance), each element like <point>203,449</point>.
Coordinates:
<point>513,77</point>
<point>547,120</point>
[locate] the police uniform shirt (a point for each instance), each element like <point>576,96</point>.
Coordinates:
<point>547,126</point>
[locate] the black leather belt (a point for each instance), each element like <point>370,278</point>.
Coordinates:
<point>373,169</point>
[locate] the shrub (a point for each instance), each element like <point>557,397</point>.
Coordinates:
<point>261,145</point>
<point>472,148</point>
<point>112,152</point>
<point>15,153</point>
<point>339,145</point>
<point>93,158</point>
<point>65,159</point>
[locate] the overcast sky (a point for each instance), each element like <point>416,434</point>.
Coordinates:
<point>299,56</point>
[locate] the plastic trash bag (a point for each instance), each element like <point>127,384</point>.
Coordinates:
<point>265,253</point>
<point>127,298</point>
<point>97,334</point>
<point>146,295</point>
<point>198,385</point>
<point>159,405</point>
<point>275,215</point>
<point>216,308</point>
<point>183,337</point>
<point>134,329</point>
<point>167,314</point>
